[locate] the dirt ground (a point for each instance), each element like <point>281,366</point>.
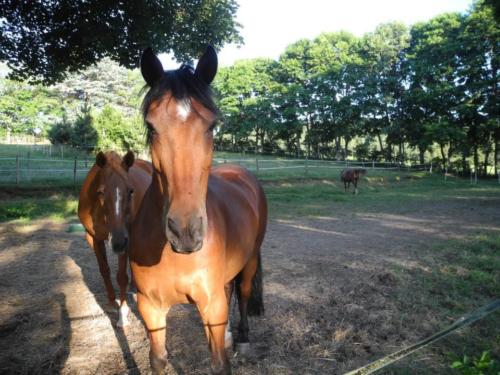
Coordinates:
<point>329,296</point>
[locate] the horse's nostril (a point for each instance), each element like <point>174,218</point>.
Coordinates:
<point>173,226</point>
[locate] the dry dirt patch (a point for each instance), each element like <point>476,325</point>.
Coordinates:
<point>329,295</point>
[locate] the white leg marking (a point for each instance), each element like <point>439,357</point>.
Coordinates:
<point>123,315</point>
<point>183,110</point>
<point>117,202</point>
<point>228,335</point>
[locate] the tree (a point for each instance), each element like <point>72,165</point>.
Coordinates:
<point>42,40</point>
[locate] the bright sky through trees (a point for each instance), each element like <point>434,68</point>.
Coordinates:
<point>268,26</point>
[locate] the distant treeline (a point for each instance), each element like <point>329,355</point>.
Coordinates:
<point>397,94</point>
<point>392,94</point>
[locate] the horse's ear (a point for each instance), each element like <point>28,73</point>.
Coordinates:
<point>151,67</point>
<point>100,159</point>
<point>207,65</point>
<point>128,160</point>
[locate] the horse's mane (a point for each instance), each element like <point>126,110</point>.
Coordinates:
<point>183,85</point>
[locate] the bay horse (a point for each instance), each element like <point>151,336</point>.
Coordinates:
<point>199,230</point>
<point>109,199</point>
<point>349,175</point>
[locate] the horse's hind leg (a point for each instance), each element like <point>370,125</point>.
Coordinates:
<point>102,261</point>
<point>249,292</point>
<point>228,337</point>
<point>122,279</point>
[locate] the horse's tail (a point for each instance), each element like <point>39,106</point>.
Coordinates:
<point>256,301</point>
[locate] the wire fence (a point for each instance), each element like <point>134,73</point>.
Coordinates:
<point>28,169</point>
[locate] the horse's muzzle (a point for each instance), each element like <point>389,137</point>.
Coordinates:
<point>119,246</point>
<point>185,239</point>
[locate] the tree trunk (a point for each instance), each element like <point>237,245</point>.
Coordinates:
<point>379,137</point>
<point>298,145</point>
<point>421,154</point>
<point>486,157</point>
<point>346,149</point>
<point>443,155</point>
<point>337,147</point>
<point>495,161</point>
<point>476,159</point>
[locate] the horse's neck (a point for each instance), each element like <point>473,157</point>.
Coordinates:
<point>154,201</point>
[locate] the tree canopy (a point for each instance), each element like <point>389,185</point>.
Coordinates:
<point>42,40</point>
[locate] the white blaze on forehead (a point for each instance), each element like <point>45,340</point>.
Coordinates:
<point>117,202</point>
<point>183,109</point>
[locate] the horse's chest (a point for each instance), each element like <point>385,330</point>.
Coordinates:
<point>171,283</point>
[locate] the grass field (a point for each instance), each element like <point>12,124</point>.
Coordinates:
<point>371,272</point>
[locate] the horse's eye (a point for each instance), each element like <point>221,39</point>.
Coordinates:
<point>212,127</point>
<point>151,128</point>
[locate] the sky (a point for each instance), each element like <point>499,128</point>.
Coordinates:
<point>268,26</point>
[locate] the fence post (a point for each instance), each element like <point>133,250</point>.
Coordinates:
<point>430,169</point>
<point>62,151</point>
<point>471,176</point>
<point>445,172</point>
<point>257,165</point>
<point>306,167</point>
<point>17,169</point>
<point>29,166</point>
<point>74,171</point>
<point>475,176</point>
<point>373,164</point>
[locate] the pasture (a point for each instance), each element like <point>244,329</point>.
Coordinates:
<point>347,279</point>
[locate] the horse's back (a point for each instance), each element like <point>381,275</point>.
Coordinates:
<point>240,184</point>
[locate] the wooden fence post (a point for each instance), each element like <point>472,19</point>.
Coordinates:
<point>373,164</point>
<point>74,171</point>
<point>445,172</point>
<point>306,166</point>
<point>257,165</point>
<point>17,169</point>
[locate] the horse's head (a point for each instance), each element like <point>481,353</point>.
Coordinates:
<point>115,195</point>
<point>179,114</point>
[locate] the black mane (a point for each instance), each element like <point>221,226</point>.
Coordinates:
<point>183,85</point>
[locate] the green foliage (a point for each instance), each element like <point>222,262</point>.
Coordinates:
<point>483,365</point>
<point>44,40</point>
<point>114,131</point>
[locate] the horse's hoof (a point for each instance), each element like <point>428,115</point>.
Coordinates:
<point>243,348</point>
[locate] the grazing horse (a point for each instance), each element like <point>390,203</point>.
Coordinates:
<point>109,199</point>
<point>351,175</point>
<point>199,230</point>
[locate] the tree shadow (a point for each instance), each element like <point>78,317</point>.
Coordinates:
<point>94,282</point>
<point>35,325</point>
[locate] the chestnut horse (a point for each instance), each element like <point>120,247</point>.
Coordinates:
<point>109,199</point>
<point>351,175</point>
<point>199,230</point>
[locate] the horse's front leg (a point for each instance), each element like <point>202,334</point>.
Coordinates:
<point>215,318</point>
<point>156,326</point>
<point>122,279</point>
<point>102,261</point>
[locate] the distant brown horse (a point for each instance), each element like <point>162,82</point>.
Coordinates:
<point>198,231</point>
<point>109,199</point>
<point>351,175</point>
